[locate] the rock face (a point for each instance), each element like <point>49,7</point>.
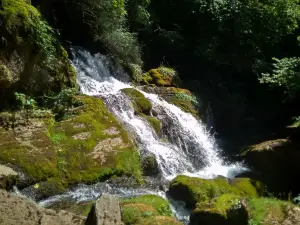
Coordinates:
<point>106,211</point>
<point>16,210</point>
<point>30,57</point>
<point>277,162</point>
<point>88,146</point>
<point>8,177</point>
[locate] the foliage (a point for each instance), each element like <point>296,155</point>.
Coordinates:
<point>26,103</point>
<point>18,15</point>
<point>286,74</point>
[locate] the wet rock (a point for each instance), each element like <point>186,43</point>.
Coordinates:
<point>106,211</point>
<point>8,177</point>
<point>150,165</point>
<point>17,210</point>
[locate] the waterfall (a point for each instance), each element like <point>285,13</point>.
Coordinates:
<point>190,149</point>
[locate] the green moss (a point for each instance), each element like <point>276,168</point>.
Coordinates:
<point>160,220</point>
<point>154,122</point>
<point>133,213</point>
<point>247,186</point>
<point>36,156</point>
<point>140,103</point>
<point>185,105</point>
<point>266,210</point>
<point>78,137</point>
<point>161,77</point>
<point>158,203</point>
<point>196,190</point>
<point>220,205</point>
<point>79,149</point>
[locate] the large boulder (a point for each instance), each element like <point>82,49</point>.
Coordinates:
<point>216,201</point>
<point>90,145</point>
<point>193,190</point>
<point>106,211</point>
<point>147,209</point>
<point>17,210</point>
<point>277,163</point>
<point>8,177</point>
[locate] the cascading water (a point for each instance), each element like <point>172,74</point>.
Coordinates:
<point>191,149</point>
<point>187,147</point>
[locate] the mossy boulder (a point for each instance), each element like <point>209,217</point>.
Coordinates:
<point>145,208</point>
<point>88,146</point>
<point>277,162</point>
<point>196,190</point>
<point>182,98</point>
<point>140,103</point>
<point>160,77</point>
<point>31,58</point>
<point>150,165</point>
<point>227,209</point>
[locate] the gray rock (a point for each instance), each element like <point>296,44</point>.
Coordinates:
<point>106,211</point>
<point>8,177</point>
<point>18,210</point>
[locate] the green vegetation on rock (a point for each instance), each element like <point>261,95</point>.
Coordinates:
<point>267,211</point>
<point>197,190</point>
<point>154,122</point>
<point>141,104</point>
<point>145,208</point>
<point>88,146</point>
<point>160,220</point>
<point>161,77</point>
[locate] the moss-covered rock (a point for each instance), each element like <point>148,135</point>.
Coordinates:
<point>31,57</point>
<point>267,211</point>
<point>150,165</point>
<point>277,162</point>
<point>227,209</point>
<point>154,122</point>
<point>182,98</point>
<point>88,146</point>
<point>138,210</point>
<point>141,104</point>
<point>160,77</point>
<point>160,220</point>
<point>196,190</point>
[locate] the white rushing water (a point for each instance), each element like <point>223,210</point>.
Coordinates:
<point>191,150</point>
